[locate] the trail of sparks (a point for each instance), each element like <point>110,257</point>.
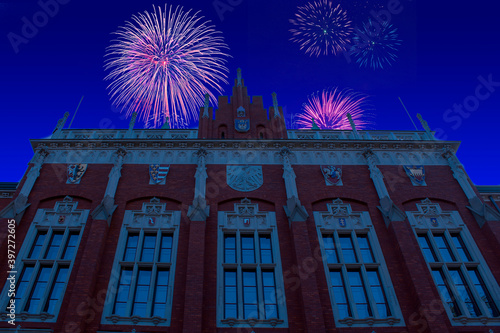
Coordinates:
<point>329,110</point>
<point>162,64</point>
<point>321,28</point>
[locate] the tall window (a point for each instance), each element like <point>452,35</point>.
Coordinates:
<point>140,289</point>
<point>360,288</point>
<point>463,279</point>
<point>249,274</point>
<point>45,261</point>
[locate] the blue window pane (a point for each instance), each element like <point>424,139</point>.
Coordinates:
<point>347,249</point>
<point>271,311</point>
<point>148,248</point>
<point>131,248</point>
<point>378,294</point>
<point>266,255</point>
<point>160,310</point>
<point>444,248</point>
<point>230,249</point>
<point>57,288</point>
<point>461,249</point>
<point>142,293</point>
<point>426,248</point>
<point>37,245</point>
<point>483,292</point>
<point>364,247</point>
<point>23,282</point>
<point>247,249</point>
<point>70,248</point>
<point>464,292</point>
<point>250,294</point>
<point>339,294</point>
<point>330,251</point>
<point>250,311</point>
<point>230,311</point>
<point>123,290</point>
<point>359,294</point>
<point>166,248</point>
<point>445,293</point>
<point>54,245</point>
<point>38,290</point>
<point>230,295</point>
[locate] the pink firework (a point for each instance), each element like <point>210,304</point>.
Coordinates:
<point>330,107</point>
<point>163,63</point>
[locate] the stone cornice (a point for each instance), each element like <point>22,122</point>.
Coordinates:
<point>293,144</point>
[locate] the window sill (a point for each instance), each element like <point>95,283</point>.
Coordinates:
<point>390,321</point>
<point>136,320</point>
<point>252,322</point>
<point>25,316</point>
<point>466,321</point>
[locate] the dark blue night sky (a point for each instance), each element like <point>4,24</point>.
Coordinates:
<point>447,69</point>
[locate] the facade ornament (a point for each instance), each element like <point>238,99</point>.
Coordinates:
<point>199,210</point>
<point>205,107</point>
<point>132,121</point>
<point>275,105</point>
<point>60,125</point>
<point>353,126</point>
<point>238,77</point>
<point>426,127</point>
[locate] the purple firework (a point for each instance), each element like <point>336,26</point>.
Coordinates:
<point>163,63</point>
<point>321,28</point>
<point>329,110</point>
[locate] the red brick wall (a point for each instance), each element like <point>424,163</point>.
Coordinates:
<point>410,277</point>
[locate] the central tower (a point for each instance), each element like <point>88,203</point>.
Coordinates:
<point>241,117</point>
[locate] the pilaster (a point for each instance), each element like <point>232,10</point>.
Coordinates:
<point>293,209</point>
<point>389,210</point>
<point>15,209</point>
<point>482,212</point>
<point>199,210</point>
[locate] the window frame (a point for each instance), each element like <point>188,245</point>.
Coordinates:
<point>137,222</point>
<point>449,224</point>
<point>47,220</point>
<point>356,224</point>
<point>258,224</point>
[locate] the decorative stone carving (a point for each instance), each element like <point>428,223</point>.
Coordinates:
<point>244,178</point>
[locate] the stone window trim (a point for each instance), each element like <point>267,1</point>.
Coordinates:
<point>430,221</point>
<point>63,219</point>
<point>246,220</point>
<point>152,218</point>
<point>340,220</point>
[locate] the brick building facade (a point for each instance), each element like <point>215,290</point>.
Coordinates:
<point>243,225</point>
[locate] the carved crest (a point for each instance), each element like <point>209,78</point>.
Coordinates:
<point>158,173</point>
<point>244,178</point>
<point>332,174</point>
<point>416,174</point>
<point>242,125</point>
<point>75,173</point>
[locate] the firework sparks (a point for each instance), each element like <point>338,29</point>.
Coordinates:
<point>321,28</point>
<point>162,63</point>
<point>329,110</point>
<point>375,45</point>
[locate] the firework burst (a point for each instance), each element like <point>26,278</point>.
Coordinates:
<point>162,63</point>
<point>375,45</point>
<point>329,110</point>
<point>321,28</point>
